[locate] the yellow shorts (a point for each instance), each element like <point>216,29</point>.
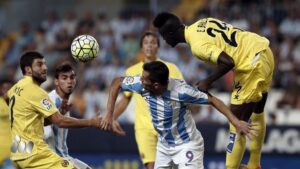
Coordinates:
<point>4,152</point>
<point>249,86</point>
<point>43,160</point>
<point>146,140</point>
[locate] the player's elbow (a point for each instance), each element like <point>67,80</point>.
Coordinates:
<point>230,64</point>
<point>226,61</point>
<point>57,119</point>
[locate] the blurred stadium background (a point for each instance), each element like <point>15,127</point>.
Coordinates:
<point>49,26</point>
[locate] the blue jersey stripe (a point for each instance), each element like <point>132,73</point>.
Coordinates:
<point>153,110</point>
<point>55,132</point>
<point>181,124</point>
<point>190,99</point>
<point>57,102</point>
<point>63,151</point>
<point>64,143</point>
<point>168,115</point>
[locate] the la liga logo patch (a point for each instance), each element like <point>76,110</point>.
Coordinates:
<point>129,80</point>
<point>46,103</point>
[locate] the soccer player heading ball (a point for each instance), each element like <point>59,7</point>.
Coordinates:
<point>247,54</point>
<point>180,144</point>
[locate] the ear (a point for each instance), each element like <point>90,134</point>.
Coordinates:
<point>28,70</point>
<point>56,82</point>
<point>156,85</point>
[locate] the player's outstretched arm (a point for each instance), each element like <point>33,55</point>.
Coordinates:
<point>242,127</point>
<point>106,123</point>
<point>70,122</point>
<point>121,106</point>
<point>225,64</point>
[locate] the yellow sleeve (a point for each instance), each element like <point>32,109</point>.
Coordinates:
<point>175,72</point>
<point>206,52</point>
<point>43,104</point>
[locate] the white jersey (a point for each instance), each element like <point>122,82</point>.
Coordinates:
<point>170,112</point>
<point>56,137</point>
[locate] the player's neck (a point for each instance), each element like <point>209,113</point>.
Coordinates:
<point>161,90</point>
<point>62,94</point>
<point>149,59</point>
<point>182,35</point>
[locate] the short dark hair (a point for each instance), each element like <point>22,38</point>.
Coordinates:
<point>27,59</point>
<point>62,68</point>
<point>158,71</point>
<point>5,80</point>
<point>149,33</point>
<point>167,22</point>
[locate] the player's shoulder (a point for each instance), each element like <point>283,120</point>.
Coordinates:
<point>129,80</point>
<point>182,86</point>
<point>134,69</point>
<point>177,84</point>
<point>53,94</point>
<point>26,86</point>
<point>169,64</point>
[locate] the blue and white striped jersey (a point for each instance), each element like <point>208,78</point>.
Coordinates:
<point>58,141</point>
<point>170,112</point>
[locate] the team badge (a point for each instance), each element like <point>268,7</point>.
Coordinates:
<point>129,80</point>
<point>65,163</point>
<point>46,103</point>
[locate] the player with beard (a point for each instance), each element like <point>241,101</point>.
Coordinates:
<point>29,106</point>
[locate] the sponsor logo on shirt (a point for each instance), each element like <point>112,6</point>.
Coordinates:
<point>46,103</point>
<point>129,80</point>
<point>65,163</point>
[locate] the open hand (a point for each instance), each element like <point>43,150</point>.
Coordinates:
<point>96,121</point>
<point>106,123</point>
<point>116,128</point>
<point>250,130</point>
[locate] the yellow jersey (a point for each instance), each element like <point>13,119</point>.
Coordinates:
<point>29,104</point>
<point>142,113</point>
<point>209,37</point>
<point>4,121</point>
<point>5,138</point>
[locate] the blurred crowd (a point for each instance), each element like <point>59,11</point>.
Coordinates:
<point>119,37</point>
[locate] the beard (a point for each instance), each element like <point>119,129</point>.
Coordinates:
<point>38,78</point>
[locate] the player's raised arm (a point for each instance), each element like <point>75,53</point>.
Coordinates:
<point>225,64</point>
<point>106,124</point>
<point>241,126</point>
<point>121,106</point>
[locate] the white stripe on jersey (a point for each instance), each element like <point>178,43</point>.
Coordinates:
<point>59,141</point>
<point>170,112</point>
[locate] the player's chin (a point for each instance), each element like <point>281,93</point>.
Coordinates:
<point>173,44</point>
<point>69,90</point>
<point>43,77</point>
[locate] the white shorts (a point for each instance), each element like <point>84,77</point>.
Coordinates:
<point>185,156</point>
<point>77,163</point>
